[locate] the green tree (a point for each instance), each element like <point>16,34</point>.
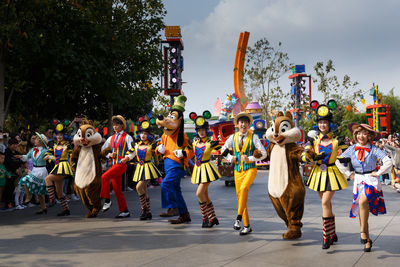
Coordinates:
<point>265,64</point>
<point>332,87</point>
<point>344,91</point>
<point>91,57</point>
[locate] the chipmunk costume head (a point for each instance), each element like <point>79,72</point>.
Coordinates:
<point>86,161</point>
<point>285,184</point>
<point>283,130</point>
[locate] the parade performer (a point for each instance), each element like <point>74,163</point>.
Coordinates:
<point>173,144</point>
<point>116,148</point>
<point>325,177</point>
<point>34,182</point>
<point>60,154</point>
<point>145,169</point>
<point>86,160</point>
<point>285,185</point>
<point>204,172</point>
<point>247,149</point>
<point>367,188</point>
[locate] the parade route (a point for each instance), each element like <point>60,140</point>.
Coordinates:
<point>27,239</point>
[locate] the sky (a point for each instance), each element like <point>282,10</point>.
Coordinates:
<point>361,37</point>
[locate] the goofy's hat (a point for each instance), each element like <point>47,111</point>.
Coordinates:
<point>179,103</point>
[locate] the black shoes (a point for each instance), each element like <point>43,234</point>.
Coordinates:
<point>145,216</point>
<point>64,213</point>
<point>368,249</point>
<point>42,211</point>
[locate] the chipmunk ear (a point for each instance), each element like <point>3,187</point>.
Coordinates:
<point>280,114</point>
<point>289,115</point>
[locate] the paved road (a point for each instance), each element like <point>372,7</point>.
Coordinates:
<point>27,239</point>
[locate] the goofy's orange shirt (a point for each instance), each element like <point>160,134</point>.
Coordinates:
<point>170,143</point>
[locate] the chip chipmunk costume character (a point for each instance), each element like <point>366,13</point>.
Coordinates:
<point>285,185</point>
<point>172,146</point>
<point>204,171</point>
<point>247,149</point>
<point>325,178</point>
<point>86,160</point>
<point>145,170</point>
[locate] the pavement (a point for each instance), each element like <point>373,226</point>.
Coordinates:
<point>27,239</point>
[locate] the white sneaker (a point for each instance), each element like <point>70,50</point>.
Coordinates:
<point>106,206</point>
<point>123,214</point>
<point>30,205</point>
<point>236,225</point>
<point>75,198</point>
<point>129,189</point>
<point>19,207</point>
<point>245,231</point>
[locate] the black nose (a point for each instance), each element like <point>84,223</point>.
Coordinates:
<point>275,135</point>
<point>160,117</point>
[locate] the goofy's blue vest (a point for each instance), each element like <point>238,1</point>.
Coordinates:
<point>247,149</point>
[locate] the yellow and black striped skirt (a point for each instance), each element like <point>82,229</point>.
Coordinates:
<point>330,179</point>
<point>62,168</point>
<point>147,171</point>
<point>205,173</point>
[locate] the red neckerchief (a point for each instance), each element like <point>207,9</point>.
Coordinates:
<point>361,152</point>
<point>36,150</point>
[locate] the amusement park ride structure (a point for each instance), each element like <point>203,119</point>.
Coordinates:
<point>378,114</point>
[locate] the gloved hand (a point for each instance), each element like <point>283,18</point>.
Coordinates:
<point>319,156</point>
<point>161,148</point>
<point>178,153</point>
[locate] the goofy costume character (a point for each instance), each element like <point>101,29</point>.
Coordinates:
<point>116,148</point>
<point>172,147</point>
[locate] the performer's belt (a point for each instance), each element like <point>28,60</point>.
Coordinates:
<point>329,165</point>
<point>205,161</point>
<point>37,166</point>
<point>363,172</point>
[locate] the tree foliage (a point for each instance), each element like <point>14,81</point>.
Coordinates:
<point>66,57</point>
<point>344,91</point>
<point>265,64</point>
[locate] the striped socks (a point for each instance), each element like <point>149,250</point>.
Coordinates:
<point>50,190</point>
<point>203,209</point>
<point>210,212</point>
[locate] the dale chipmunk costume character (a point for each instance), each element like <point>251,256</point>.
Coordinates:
<point>285,185</point>
<point>204,171</point>
<point>172,147</point>
<point>86,160</point>
<point>247,149</point>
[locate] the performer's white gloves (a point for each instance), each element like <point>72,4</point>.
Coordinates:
<point>161,148</point>
<point>178,153</point>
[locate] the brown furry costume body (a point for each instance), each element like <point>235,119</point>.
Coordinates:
<point>285,185</point>
<point>86,161</point>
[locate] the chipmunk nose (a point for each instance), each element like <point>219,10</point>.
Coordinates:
<point>275,135</point>
<point>160,117</point>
